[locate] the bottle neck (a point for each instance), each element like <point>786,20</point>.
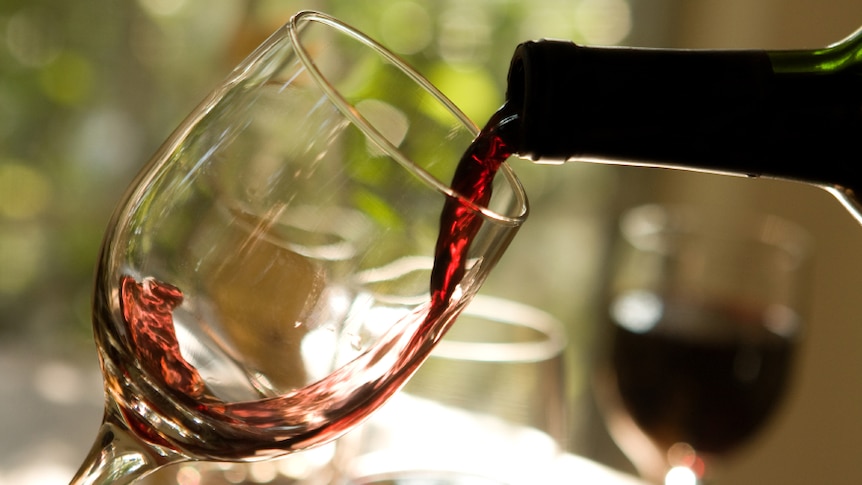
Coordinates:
<point>793,115</point>
<point>845,55</point>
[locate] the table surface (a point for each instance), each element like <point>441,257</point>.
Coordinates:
<point>50,410</point>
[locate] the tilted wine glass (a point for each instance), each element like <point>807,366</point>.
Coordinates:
<point>264,285</point>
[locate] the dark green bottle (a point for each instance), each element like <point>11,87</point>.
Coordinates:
<point>793,115</point>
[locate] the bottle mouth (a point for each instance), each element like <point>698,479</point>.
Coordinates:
<point>516,91</point>
<point>538,72</point>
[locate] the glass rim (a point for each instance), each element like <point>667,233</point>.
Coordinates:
<point>651,219</point>
<point>355,117</point>
<point>549,343</point>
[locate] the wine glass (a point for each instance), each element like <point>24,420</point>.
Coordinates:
<point>704,315</point>
<point>488,407</point>
<point>245,304</point>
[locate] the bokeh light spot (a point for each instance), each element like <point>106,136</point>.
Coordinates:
<point>465,36</point>
<point>604,22</point>
<point>388,120</point>
<point>680,475</point>
<point>549,21</point>
<point>68,79</point>
<point>637,311</point>
<point>188,475</point>
<point>681,454</point>
<point>405,27</point>
<point>475,92</point>
<point>31,38</point>
<point>20,256</point>
<point>262,471</point>
<point>24,191</point>
<point>106,141</point>
<point>234,473</point>
<point>59,382</point>
<point>162,8</point>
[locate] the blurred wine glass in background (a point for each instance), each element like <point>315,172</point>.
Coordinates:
<point>704,318</point>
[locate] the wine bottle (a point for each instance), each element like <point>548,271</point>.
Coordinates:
<point>793,115</point>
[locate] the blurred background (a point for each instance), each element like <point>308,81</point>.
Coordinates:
<point>89,89</point>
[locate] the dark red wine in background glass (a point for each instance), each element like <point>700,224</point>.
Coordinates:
<point>706,375</point>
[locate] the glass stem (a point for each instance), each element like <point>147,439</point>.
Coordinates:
<point>118,457</point>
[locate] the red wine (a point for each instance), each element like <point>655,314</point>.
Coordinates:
<point>459,223</point>
<point>204,425</point>
<point>147,310</point>
<point>709,376</point>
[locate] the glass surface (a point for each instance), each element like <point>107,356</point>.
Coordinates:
<point>704,316</point>
<point>262,285</point>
